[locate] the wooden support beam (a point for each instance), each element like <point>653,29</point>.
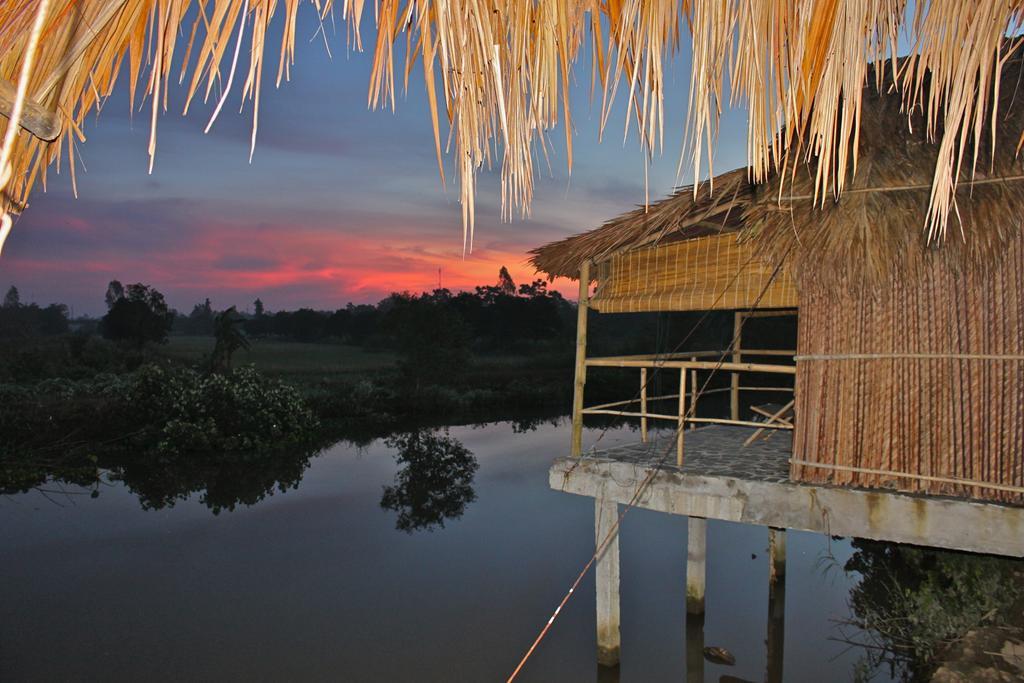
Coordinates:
<point>698,354</point>
<point>581,360</point>
<point>643,404</point>
<point>773,419</point>
<point>696,395</point>
<point>737,357</point>
<point>699,365</point>
<point>770,313</point>
<point>35,118</point>
<point>681,428</point>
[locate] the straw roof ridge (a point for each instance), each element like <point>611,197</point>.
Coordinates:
<point>678,216</point>
<point>873,231</point>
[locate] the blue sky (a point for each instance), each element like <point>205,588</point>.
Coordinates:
<point>339,203</point>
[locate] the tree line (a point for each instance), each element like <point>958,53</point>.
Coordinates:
<point>496,318</point>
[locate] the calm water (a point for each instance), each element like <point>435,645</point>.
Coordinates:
<point>317,583</point>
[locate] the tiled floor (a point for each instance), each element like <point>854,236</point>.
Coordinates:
<point>715,450</point>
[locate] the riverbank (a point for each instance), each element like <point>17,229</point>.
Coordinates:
<point>78,404</point>
<point>346,384</point>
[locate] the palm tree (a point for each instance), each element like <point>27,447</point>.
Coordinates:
<point>227,330</point>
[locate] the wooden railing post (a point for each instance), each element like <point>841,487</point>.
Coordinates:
<point>682,416</point>
<point>693,389</point>
<point>643,405</point>
<point>737,354</point>
<point>581,360</point>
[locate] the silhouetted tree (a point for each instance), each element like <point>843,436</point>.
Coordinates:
<point>12,299</point>
<point>200,320</point>
<point>432,338</point>
<point>505,284</point>
<point>30,320</point>
<point>227,328</point>
<point>115,291</point>
<point>140,316</point>
<point>534,289</point>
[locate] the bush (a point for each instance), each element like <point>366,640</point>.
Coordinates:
<point>155,411</point>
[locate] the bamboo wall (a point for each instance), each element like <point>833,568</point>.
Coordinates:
<point>705,273</point>
<point>948,418</point>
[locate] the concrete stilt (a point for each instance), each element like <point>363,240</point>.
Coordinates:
<point>777,553</point>
<point>776,604</point>
<point>694,648</point>
<point>696,554</point>
<point>608,674</point>
<point>606,514</point>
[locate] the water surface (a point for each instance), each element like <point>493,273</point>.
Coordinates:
<point>449,581</point>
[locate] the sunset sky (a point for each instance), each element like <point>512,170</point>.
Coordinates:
<point>339,204</point>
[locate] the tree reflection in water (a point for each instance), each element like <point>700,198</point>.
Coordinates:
<point>912,603</point>
<point>434,483</point>
<point>222,481</point>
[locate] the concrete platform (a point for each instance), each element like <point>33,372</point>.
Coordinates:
<point>721,479</point>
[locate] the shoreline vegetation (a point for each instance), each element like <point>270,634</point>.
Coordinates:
<point>148,387</point>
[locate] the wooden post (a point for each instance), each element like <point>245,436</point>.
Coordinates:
<point>581,361</point>
<point>776,604</point>
<point>693,389</point>
<point>696,559</point>
<point>643,404</point>
<point>682,417</point>
<point>737,354</point>
<point>606,578</point>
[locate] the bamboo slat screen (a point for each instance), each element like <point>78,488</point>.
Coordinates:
<point>714,272</point>
<point>945,416</point>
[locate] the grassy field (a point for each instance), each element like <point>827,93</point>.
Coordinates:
<point>291,359</point>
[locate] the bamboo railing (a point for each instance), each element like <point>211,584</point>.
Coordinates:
<point>688,364</point>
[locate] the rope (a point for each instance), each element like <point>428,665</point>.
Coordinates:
<point>908,475</point>
<point>658,465</point>
<point>921,356</point>
<point>15,119</point>
<point>908,188</point>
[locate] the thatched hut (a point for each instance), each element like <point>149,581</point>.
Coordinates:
<point>910,354</point>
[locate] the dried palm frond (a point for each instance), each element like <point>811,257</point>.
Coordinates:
<point>500,71</point>
<point>871,237</point>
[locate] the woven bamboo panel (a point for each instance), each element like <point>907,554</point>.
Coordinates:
<point>714,272</point>
<point>947,417</point>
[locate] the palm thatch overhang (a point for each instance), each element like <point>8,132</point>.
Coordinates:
<point>864,239</point>
<point>497,75</point>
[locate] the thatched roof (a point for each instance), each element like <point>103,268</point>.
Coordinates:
<point>498,72</point>
<point>680,216</point>
<point>873,230</point>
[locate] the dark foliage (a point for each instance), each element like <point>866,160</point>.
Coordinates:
<point>141,315</point>
<point>912,603</point>
<point>29,320</point>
